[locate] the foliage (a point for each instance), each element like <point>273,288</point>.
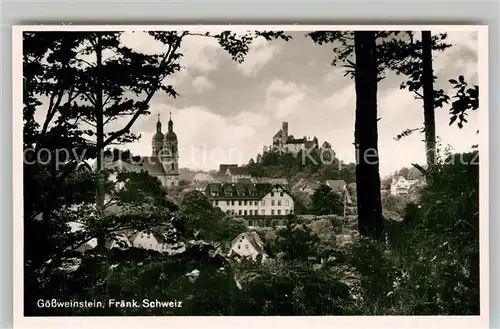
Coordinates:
<point>312,164</point>
<point>296,241</point>
<point>291,288</point>
<point>467,99</point>
<point>325,201</point>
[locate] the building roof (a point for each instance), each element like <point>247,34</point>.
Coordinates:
<point>250,191</point>
<point>239,171</point>
<point>296,141</point>
<point>278,134</point>
<point>336,185</point>
<point>222,178</point>
<point>304,183</point>
<point>254,239</point>
<point>202,176</point>
<point>198,185</point>
<point>224,167</point>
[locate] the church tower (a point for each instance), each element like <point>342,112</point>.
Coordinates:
<point>170,155</point>
<point>157,142</point>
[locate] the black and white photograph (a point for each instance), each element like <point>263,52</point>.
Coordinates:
<point>251,171</point>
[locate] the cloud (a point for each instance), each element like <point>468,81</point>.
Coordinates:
<point>260,53</point>
<point>251,118</point>
<point>202,84</point>
<point>205,139</point>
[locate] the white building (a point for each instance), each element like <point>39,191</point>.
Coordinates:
<point>401,185</point>
<point>238,173</point>
<point>257,204</point>
<point>248,244</point>
<point>203,177</point>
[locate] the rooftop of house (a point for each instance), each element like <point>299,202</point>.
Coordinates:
<point>224,167</point>
<point>222,178</point>
<point>239,191</point>
<point>304,183</point>
<point>239,171</point>
<point>253,238</point>
<point>336,185</point>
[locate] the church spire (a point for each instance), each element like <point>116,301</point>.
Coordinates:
<point>158,124</point>
<point>170,123</point>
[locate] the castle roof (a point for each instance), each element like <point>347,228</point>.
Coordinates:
<point>278,134</point>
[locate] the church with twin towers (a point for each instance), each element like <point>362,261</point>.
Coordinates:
<point>165,153</point>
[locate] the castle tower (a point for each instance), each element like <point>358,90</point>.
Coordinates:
<point>170,155</point>
<point>284,132</point>
<point>157,141</point>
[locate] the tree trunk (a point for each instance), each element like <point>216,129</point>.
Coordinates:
<point>370,221</point>
<point>428,90</point>
<point>99,115</point>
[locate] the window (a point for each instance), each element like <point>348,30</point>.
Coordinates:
<point>286,202</point>
<point>142,235</point>
<point>279,211</point>
<point>281,194</point>
<point>279,202</point>
<point>232,202</point>
<point>245,202</point>
<point>245,212</point>
<point>250,222</point>
<point>272,211</point>
<point>272,193</point>
<point>256,203</point>
<point>229,194</point>
<point>263,202</point>
<point>272,202</point>
<point>254,194</point>
<point>232,212</point>
<point>239,246</point>
<point>239,202</point>
<point>251,212</point>
<point>241,194</point>
<point>216,202</point>
<point>246,246</point>
<point>239,212</point>
<point>173,166</point>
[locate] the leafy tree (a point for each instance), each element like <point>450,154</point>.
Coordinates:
<point>326,202</point>
<point>467,99</point>
<point>298,242</point>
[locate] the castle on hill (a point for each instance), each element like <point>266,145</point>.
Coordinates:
<point>284,142</point>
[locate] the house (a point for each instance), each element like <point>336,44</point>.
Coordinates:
<point>221,178</point>
<point>198,186</point>
<point>262,205</point>
<point>119,241</point>
<point>340,187</point>
<point>401,185</point>
<point>306,186</point>
<point>203,177</point>
<point>148,240</point>
<point>237,173</point>
<point>248,244</point>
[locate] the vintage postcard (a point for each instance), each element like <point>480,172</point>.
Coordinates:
<point>163,174</point>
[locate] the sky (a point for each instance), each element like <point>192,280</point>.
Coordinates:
<point>227,111</point>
